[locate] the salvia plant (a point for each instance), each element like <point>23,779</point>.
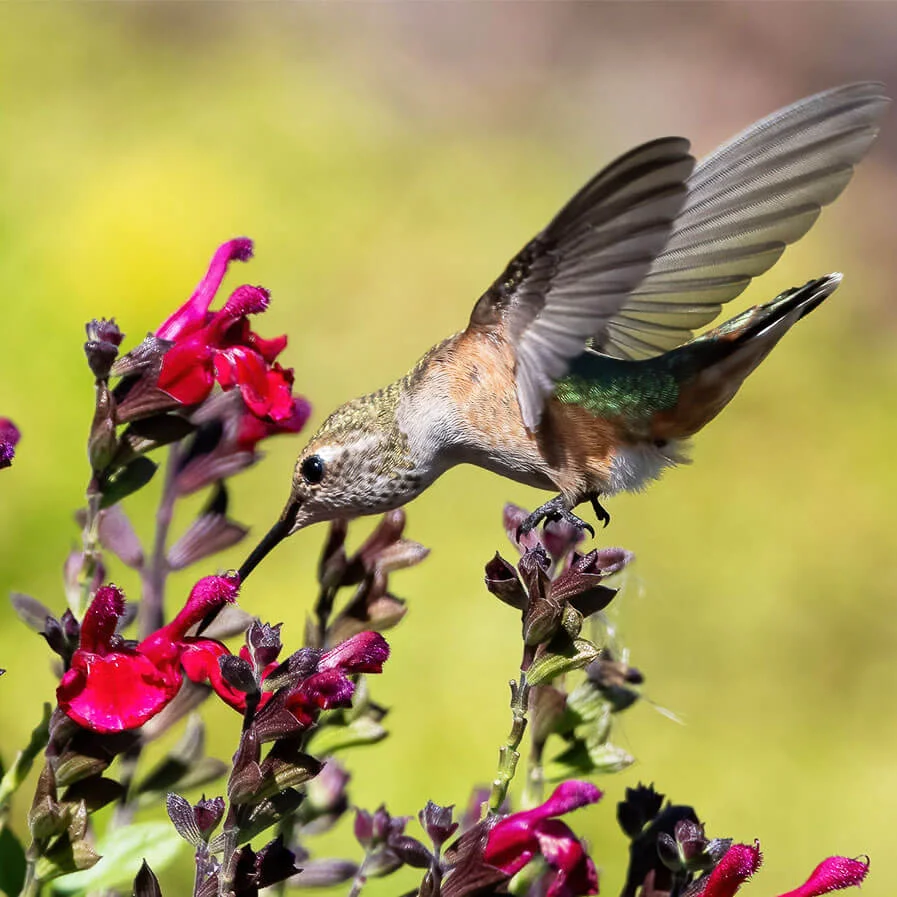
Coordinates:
<point>209,389</point>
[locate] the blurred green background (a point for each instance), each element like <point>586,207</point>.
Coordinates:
<point>388,160</point>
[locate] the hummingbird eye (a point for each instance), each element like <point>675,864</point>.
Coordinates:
<point>313,469</point>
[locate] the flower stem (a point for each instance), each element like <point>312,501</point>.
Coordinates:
<point>90,544</point>
<point>533,791</point>
<point>508,754</point>
<point>152,605</point>
<point>361,878</point>
<point>31,886</point>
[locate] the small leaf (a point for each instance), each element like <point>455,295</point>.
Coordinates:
<point>118,536</point>
<point>160,429</point>
<point>263,815</point>
<point>576,655</point>
<point>96,792</point>
<point>146,884</point>
<point>209,534</point>
<point>180,812</point>
<point>364,730</point>
<point>64,857</point>
<point>30,611</point>
<point>128,480</point>
<point>123,850</point>
<point>12,863</point>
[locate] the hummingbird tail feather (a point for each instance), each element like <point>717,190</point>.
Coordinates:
<point>711,368</point>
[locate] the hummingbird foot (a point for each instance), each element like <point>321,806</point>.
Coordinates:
<point>556,509</point>
<point>600,511</point>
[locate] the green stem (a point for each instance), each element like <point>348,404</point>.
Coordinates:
<point>90,547</point>
<point>535,778</point>
<point>152,604</point>
<point>508,754</point>
<point>32,885</point>
<point>361,878</point>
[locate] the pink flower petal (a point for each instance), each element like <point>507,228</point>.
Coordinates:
<point>100,620</point>
<point>200,662</point>
<point>9,432</point>
<point>193,314</point>
<point>566,797</point>
<point>210,593</point>
<point>187,372</point>
<point>832,875</point>
<point>252,430</point>
<point>325,690</point>
<point>365,652</point>
<point>738,864</point>
<point>269,349</point>
<point>115,692</point>
<point>246,300</point>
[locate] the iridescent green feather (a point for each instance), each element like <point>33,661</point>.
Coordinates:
<point>609,387</point>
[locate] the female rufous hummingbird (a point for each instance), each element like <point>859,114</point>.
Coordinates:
<point>579,371</point>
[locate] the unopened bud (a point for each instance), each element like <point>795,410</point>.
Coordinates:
<point>101,348</point>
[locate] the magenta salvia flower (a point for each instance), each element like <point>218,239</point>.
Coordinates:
<point>741,861</point>
<point>114,685</point>
<point>832,874</point>
<point>9,438</point>
<point>220,346</point>
<point>518,838</point>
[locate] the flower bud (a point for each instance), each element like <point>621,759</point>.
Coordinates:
<point>238,673</point>
<point>101,348</point>
<point>437,822</point>
<point>264,643</point>
<point>502,580</point>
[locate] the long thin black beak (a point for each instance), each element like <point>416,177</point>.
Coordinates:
<point>272,538</point>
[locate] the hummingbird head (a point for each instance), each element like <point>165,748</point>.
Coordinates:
<point>357,463</point>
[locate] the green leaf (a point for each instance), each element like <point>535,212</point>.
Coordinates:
<point>330,739</point>
<point>131,478</point>
<point>574,655</point>
<point>122,851</point>
<point>12,863</point>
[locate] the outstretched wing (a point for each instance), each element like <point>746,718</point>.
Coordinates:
<point>569,282</point>
<point>752,197</point>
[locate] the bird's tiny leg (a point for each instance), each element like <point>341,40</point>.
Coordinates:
<point>555,509</point>
<point>599,509</point>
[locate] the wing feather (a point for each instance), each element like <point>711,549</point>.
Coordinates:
<point>746,202</point>
<point>566,284</point>
<point>651,248</point>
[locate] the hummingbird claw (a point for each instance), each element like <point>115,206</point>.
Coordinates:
<point>600,511</point>
<point>554,510</point>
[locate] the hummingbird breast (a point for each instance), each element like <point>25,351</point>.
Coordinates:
<point>461,407</point>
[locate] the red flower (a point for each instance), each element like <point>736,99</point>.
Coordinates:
<point>518,838</point>
<point>741,861</point>
<point>115,685</point>
<point>9,438</point>
<point>251,429</point>
<point>327,684</point>
<point>220,346</point>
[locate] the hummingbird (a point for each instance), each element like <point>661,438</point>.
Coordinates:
<point>579,371</point>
